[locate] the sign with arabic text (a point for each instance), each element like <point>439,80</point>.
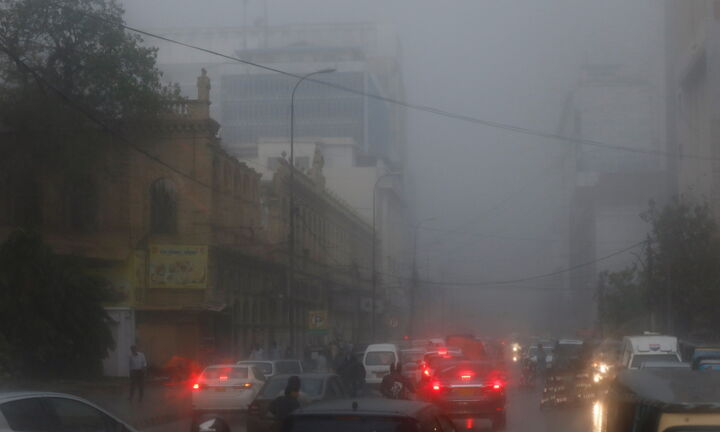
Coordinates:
<point>173,266</point>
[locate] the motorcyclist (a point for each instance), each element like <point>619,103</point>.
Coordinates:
<point>395,385</point>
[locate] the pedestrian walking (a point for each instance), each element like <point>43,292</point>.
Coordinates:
<point>138,365</point>
<point>257,353</point>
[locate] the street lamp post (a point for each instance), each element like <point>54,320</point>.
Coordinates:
<point>291,231</point>
<point>372,263</point>
<point>413,288</point>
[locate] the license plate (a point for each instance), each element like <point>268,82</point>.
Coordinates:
<point>220,389</point>
<point>465,391</point>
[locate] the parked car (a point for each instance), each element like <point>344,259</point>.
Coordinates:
<point>377,361</point>
<point>313,387</point>
<point>41,411</point>
<point>271,368</point>
<point>361,415</point>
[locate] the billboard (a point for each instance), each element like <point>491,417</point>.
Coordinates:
<point>173,266</point>
<point>318,321</point>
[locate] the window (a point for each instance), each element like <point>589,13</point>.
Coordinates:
<point>26,415</point>
<point>81,204</point>
<point>75,416</point>
<point>163,207</point>
<point>229,372</point>
<point>380,358</point>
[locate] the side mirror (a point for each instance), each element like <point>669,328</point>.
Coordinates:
<point>213,425</point>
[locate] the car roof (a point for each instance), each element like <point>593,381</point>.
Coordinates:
<point>218,366</point>
<point>7,396</point>
<point>381,347</point>
<point>674,387</point>
<point>313,375</point>
<point>370,406</point>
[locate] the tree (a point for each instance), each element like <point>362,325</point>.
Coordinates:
<point>52,322</point>
<point>676,278</point>
<point>684,286</point>
<point>70,78</point>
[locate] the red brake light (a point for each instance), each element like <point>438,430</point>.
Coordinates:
<point>223,378</point>
<point>467,375</point>
<point>497,385</point>
<point>196,386</point>
<point>426,372</point>
<point>442,351</point>
<point>436,386</point>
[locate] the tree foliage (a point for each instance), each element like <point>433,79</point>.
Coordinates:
<point>677,277</point>
<point>69,73</point>
<point>52,322</point>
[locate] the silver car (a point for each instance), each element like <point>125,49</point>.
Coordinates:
<point>44,411</point>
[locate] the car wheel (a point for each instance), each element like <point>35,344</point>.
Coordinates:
<point>499,422</point>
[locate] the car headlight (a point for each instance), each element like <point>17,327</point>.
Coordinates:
<point>597,378</point>
<point>603,368</point>
<point>515,359</point>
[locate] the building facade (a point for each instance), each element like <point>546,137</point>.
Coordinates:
<point>693,103</point>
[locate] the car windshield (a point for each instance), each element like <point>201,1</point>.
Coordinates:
<point>350,423</point>
<point>380,358</point>
<point>640,359</point>
<point>223,373</point>
<point>275,387</point>
<point>265,367</point>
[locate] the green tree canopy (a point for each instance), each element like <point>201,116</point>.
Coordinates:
<point>52,322</point>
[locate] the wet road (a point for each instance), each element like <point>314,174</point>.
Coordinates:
<point>524,415</point>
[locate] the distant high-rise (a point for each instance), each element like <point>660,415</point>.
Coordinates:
<point>253,103</point>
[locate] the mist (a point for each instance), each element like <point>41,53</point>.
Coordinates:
<point>495,202</point>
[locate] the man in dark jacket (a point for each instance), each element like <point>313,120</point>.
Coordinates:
<point>283,405</point>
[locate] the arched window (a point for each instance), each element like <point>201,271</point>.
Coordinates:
<point>163,207</point>
<point>81,204</point>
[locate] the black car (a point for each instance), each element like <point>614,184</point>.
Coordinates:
<point>470,389</point>
<point>313,387</point>
<point>368,415</point>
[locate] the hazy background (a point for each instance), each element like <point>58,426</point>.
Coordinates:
<point>494,194</point>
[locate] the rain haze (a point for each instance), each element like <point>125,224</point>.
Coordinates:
<point>262,215</point>
<point>497,200</point>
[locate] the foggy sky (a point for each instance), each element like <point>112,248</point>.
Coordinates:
<point>509,61</point>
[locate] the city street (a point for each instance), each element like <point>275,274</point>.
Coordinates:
<point>524,415</point>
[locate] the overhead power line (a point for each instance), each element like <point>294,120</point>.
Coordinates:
<point>539,276</point>
<point>417,107</point>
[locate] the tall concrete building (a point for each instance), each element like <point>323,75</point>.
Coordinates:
<point>693,103</point>
<point>618,100</point>
<point>360,139</point>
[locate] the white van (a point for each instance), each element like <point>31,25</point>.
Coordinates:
<point>377,361</point>
<point>649,348</point>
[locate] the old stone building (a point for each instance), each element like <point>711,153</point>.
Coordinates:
<point>332,255</point>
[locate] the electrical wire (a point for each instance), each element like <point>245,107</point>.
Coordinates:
<point>413,106</point>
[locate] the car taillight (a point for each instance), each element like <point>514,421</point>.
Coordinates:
<point>196,386</point>
<point>498,385</point>
<point>443,351</point>
<point>426,372</point>
<point>247,385</point>
<point>436,386</point>
<point>467,375</point>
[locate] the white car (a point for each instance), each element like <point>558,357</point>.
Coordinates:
<point>43,411</point>
<point>226,387</point>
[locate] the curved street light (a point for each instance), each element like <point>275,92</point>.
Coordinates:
<point>291,231</point>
